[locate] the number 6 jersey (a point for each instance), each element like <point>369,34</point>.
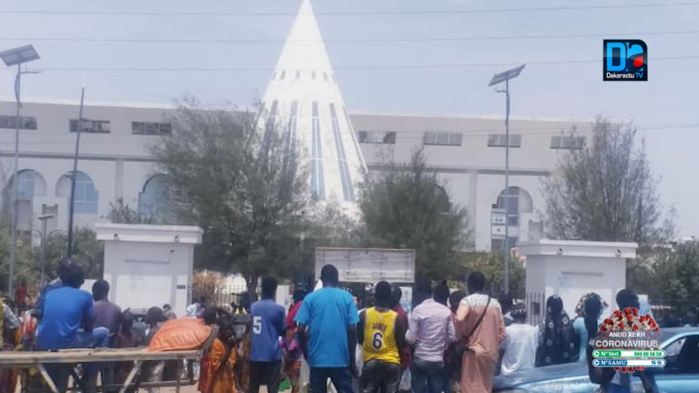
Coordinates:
<point>380,336</point>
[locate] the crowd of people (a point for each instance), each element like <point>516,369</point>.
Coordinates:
<point>452,341</point>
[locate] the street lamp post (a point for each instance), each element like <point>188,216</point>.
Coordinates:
<point>11,58</point>
<point>498,78</point>
<point>44,239</point>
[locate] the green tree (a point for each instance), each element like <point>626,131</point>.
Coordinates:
<point>25,261</point>
<point>405,206</point>
<point>242,184</point>
<point>675,277</point>
<point>120,213</point>
<point>88,253</point>
<point>606,191</point>
<point>491,265</point>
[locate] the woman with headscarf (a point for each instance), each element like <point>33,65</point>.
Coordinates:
<point>558,343</point>
<point>579,323</point>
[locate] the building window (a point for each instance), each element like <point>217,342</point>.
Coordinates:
<point>291,130</point>
<point>25,122</point>
<point>274,75</point>
<point>313,75</point>
<point>442,138</point>
<point>514,201</point>
<point>86,196</point>
<point>325,76</point>
<point>150,128</point>
<point>283,75</point>
<point>91,126</point>
<point>500,140</point>
<point>25,186</point>
<point>443,200</point>
<point>298,74</point>
<point>154,201</point>
<point>271,120</point>
<point>380,137</point>
<point>317,175</point>
<point>347,188</point>
<point>568,142</point>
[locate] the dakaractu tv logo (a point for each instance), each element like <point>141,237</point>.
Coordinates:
<point>625,60</point>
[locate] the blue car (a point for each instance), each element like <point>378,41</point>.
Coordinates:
<point>680,375</point>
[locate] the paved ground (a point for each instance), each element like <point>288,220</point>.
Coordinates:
<point>193,389</point>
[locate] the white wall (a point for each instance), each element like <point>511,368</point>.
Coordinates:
<point>572,269</point>
<point>144,275</point>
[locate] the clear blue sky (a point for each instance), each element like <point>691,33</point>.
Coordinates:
<point>669,98</point>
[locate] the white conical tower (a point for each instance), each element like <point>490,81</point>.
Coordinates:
<point>303,99</point>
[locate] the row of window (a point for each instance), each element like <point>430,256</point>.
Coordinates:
<point>297,75</point>
<point>569,142</point>
<point>90,126</point>
<point>154,197</point>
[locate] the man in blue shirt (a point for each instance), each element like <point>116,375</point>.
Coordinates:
<point>327,332</point>
<point>57,283</point>
<point>268,326</point>
<point>67,318</point>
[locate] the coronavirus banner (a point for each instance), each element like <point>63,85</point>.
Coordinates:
<point>628,342</point>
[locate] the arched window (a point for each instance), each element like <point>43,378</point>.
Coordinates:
<point>30,184</point>
<point>514,201</point>
<point>443,199</point>
<point>154,200</point>
<point>86,195</point>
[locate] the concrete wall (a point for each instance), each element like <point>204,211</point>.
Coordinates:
<point>147,267</point>
<point>571,269</point>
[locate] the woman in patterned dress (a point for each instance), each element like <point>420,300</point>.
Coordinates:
<point>558,343</point>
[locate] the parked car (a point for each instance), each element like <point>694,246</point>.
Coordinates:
<point>680,374</point>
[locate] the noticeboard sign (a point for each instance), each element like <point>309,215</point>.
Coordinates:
<point>368,265</point>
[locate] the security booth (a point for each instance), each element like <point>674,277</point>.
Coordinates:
<point>149,265</point>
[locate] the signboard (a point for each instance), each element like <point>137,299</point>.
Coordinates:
<point>368,265</point>
<point>498,221</point>
<point>498,232</point>
<point>498,218</point>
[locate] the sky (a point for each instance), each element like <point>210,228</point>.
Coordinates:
<point>396,56</point>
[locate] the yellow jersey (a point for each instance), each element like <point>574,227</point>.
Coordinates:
<point>380,336</point>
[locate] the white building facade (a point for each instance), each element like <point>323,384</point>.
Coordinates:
<point>303,97</point>
<point>115,162</point>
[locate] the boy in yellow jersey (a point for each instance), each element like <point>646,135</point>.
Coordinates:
<point>382,336</point>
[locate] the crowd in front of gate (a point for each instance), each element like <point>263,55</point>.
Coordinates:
<point>451,341</point>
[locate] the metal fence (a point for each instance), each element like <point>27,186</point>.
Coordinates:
<point>675,311</point>
<point>219,295</point>
<point>536,307</point>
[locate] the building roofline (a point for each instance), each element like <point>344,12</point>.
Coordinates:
<point>477,116</point>
<point>113,104</point>
<point>172,106</point>
<point>76,102</point>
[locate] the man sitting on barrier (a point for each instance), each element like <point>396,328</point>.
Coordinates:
<point>67,322</point>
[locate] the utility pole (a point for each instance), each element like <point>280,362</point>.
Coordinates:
<point>498,78</point>
<point>71,207</point>
<point>11,58</point>
<point>44,239</point>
